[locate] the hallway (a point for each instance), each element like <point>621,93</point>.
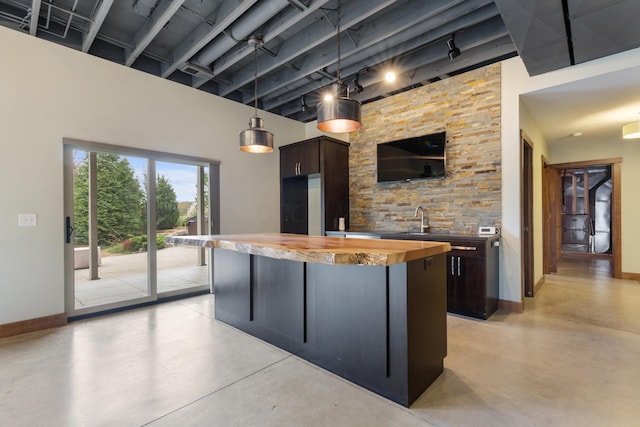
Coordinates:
<point>571,359</point>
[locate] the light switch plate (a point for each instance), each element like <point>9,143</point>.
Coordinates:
<point>27,220</point>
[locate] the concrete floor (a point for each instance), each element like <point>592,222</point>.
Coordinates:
<point>571,359</point>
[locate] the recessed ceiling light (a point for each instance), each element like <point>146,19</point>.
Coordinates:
<point>576,134</point>
<point>631,130</point>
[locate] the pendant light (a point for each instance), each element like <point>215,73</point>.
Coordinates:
<point>339,114</point>
<point>256,139</point>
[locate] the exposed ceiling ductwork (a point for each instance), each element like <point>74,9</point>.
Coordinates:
<point>203,43</point>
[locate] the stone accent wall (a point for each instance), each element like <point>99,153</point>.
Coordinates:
<point>467,107</point>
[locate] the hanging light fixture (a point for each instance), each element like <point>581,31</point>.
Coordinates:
<point>631,130</point>
<point>256,139</point>
<point>340,114</point>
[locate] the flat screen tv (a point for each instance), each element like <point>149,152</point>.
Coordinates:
<point>421,157</point>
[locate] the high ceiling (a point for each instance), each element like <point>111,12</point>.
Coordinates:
<point>205,43</point>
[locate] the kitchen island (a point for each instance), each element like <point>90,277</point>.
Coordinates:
<point>371,311</point>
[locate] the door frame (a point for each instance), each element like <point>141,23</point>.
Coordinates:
<point>211,227</point>
<point>616,207</point>
<point>526,215</point>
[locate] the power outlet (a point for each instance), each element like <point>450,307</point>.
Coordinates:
<point>27,220</point>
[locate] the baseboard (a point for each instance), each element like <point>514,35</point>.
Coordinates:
<point>538,285</point>
<point>630,276</point>
<point>507,306</point>
<point>17,328</point>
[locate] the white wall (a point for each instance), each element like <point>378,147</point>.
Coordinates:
<point>540,148</point>
<point>311,131</point>
<point>515,83</point>
<point>48,92</point>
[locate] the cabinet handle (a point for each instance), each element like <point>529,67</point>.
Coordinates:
<point>464,248</point>
<point>452,261</point>
<point>458,266</point>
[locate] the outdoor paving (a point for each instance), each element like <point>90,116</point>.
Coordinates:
<point>124,277</point>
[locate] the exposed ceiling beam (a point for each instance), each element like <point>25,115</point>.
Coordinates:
<point>98,19</point>
<point>271,32</point>
<point>226,14</point>
<point>160,16</point>
<point>316,34</point>
<point>473,52</point>
<point>478,44</point>
<point>235,34</point>
<point>420,26</point>
<point>35,15</point>
<point>298,4</point>
<point>416,37</point>
<point>496,49</point>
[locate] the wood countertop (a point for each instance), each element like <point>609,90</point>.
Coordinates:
<point>326,250</point>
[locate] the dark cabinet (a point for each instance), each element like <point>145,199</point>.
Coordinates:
<point>473,283</point>
<point>318,165</point>
<point>472,278</point>
<point>300,159</point>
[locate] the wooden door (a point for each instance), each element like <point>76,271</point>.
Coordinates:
<point>551,202</point>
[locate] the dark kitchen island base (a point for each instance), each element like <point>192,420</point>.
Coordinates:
<point>381,327</point>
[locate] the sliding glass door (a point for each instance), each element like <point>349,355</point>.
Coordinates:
<point>181,209</point>
<point>120,204</point>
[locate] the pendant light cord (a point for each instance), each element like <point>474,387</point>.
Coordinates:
<point>255,80</point>
<point>338,37</point>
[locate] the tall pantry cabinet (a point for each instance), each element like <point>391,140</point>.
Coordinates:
<point>314,186</point>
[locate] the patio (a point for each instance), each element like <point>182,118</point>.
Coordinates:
<point>124,277</point>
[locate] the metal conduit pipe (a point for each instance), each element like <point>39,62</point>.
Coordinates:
<point>240,29</point>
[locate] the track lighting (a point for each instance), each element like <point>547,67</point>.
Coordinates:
<point>357,87</point>
<point>303,103</point>
<point>390,76</point>
<point>453,50</point>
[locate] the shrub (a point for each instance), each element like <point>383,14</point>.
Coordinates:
<point>160,243</point>
<point>136,244</point>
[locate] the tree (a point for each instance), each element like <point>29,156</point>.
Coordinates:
<point>167,212</point>
<point>193,209</point>
<point>119,199</point>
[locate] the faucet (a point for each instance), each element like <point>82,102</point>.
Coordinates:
<point>424,228</point>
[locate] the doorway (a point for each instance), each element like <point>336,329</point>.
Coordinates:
<point>526,203</point>
<point>120,204</point>
<point>583,206</point>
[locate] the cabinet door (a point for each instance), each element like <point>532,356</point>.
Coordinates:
<point>288,162</point>
<point>466,284</point>
<point>300,159</point>
<point>294,205</point>
<point>472,285</point>
<point>309,158</point>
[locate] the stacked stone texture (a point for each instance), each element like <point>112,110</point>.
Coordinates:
<point>467,107</point>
